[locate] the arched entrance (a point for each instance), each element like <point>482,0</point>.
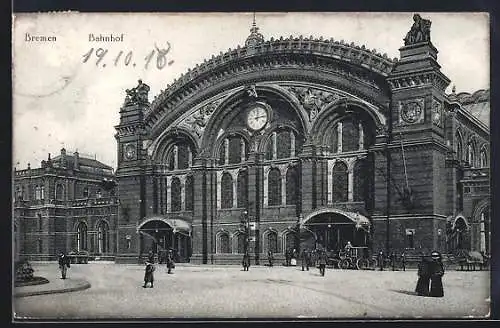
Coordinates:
<point>160,234</point>
<point>333,228</point>
<point>458,239</point>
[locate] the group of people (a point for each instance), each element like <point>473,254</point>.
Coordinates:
<point>430,272</point>
<point>150,267</point>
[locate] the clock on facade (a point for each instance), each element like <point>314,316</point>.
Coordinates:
<point>257,117</point>
<point>129,151</point>
<point>411,112</point>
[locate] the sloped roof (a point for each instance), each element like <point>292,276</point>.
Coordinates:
<point>477,104</point>
<point>83,161</point>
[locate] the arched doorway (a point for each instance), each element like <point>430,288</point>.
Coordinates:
<point>159,235</point>
<point>458,239</point>
<point>333,228</point>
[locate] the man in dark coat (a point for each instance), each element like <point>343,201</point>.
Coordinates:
<point>304,258</point>
<point>148,274</point>
<point>322,259</point>
<point>170,261</point>
<point>424,276</point>
<point>270,258</point>
<point>288,257</point>
<point>436,272</point>
<point>63,264</point>
<point>403,261</point>
<point>246,261</point>
<point>380,259</point>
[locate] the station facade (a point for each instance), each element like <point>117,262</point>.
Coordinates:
<point>297,143</point>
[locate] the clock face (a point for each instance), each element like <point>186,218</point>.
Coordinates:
<point>411,112</point>
<point>129,151</point>
<point>257,118</point>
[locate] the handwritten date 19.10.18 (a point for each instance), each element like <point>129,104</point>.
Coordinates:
<point>127,58</point>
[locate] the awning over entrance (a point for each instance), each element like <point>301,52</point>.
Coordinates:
<point>177,225</point>
<point>359,220</point>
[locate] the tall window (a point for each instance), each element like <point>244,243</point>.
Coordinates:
<point>458,147</point>
<point>175,194</point>
<point>292,186</point>
<point>274,187</point>
<point>222,153</point>
<point>283,144</point>
<point>227,191</point>
<point>224,243</point>
<point>470,154</point>
<point>37,192</point>
<point>484,158</point>
<point>42,192</point>
<point>350,134</point>
<point>242,189</point>
<point>81,236</point>
<point>103,237</point>
<point>179,156</point>
<point>85,192</point>
<point>189,192</point>
<point>59,192</point>
<point>236,145</point>
<point>339,188</point>
<point>410,238</point>
<point>272,241</point>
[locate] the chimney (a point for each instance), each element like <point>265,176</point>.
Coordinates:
<point>76,164</point>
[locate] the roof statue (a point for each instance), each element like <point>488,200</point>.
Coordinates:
<point>419,32</point>
<point>139,94</point>
<point>255,37</point>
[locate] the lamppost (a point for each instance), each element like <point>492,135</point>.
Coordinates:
<point>297,235</point>
<point>245,227</point>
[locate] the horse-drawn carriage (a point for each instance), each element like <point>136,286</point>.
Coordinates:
<point>358,258</point>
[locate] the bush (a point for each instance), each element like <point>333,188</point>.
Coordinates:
<point>24,271</point>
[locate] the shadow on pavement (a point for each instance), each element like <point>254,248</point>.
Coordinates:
<point>407,292</point>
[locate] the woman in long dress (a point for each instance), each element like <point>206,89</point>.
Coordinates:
<point>437,272</point>
<point>424,276</point>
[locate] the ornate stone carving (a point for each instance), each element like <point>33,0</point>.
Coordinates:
<point>137,95</point>
<point>419,32</point>
<point>199,119</point>
<point>411,111</point>
<point>313,100</point>
<point>436,112</point>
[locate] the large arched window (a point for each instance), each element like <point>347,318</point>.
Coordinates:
<point>222,153</point>
<point>223,243</point>
<point>292,186</point>
<point>179,157</point>
<point>484,157</point>
<point>103,237</point>
<point>282,143</point>
<point>350,134</point>
<point>189,192</point>
<point>81,236</point>
<point>339,180</point>
<point>227,190</point>
<point>274,187</point>
<point>272,241</point>
<point>59,192</point>
<point>237,150</point>
<point>242,189</point>
<point>459,147</point>
<point>175,194</point>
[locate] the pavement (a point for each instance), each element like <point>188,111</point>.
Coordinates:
<point>205,291</point>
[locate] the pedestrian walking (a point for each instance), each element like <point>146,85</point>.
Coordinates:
<point>304,258</point>
<point>380,259</point>
<point>270,258</point>
<point>287,257</point>
<point>151,257</point>
<point>246,261</point>
<point>64,264</point>
<point>437,272</point>
<point>424,275</point>
<point>393,261</point>
<point>170,261</point>
<point>148,273</point>
<point>322,259</point>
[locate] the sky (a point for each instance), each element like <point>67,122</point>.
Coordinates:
<point>61,101</point>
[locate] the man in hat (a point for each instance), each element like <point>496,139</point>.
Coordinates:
<point>380,259</point>
<point>170,261</point>
<point>63,264</point>
<point>322,259</point>
<point>304,257</point>
<point>270,258</point>
<point>148,273</point>
<point>246,261</point>
<point>436,272</point>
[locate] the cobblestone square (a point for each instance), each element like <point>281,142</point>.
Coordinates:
<point>228,292</point>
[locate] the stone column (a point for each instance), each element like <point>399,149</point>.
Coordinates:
<point>350,180</point>
<point>283,184</point>
<point>176,157</point>
<point>182,178</point>
<point>219,189</point>
<point>275,145</point>
<point>329,187</point>
<point>169,192</point>
<point>266,185</point>
<point>226,151</point>
<point>361,137</point>
<point>292,144</point>
<point>339,139</point>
